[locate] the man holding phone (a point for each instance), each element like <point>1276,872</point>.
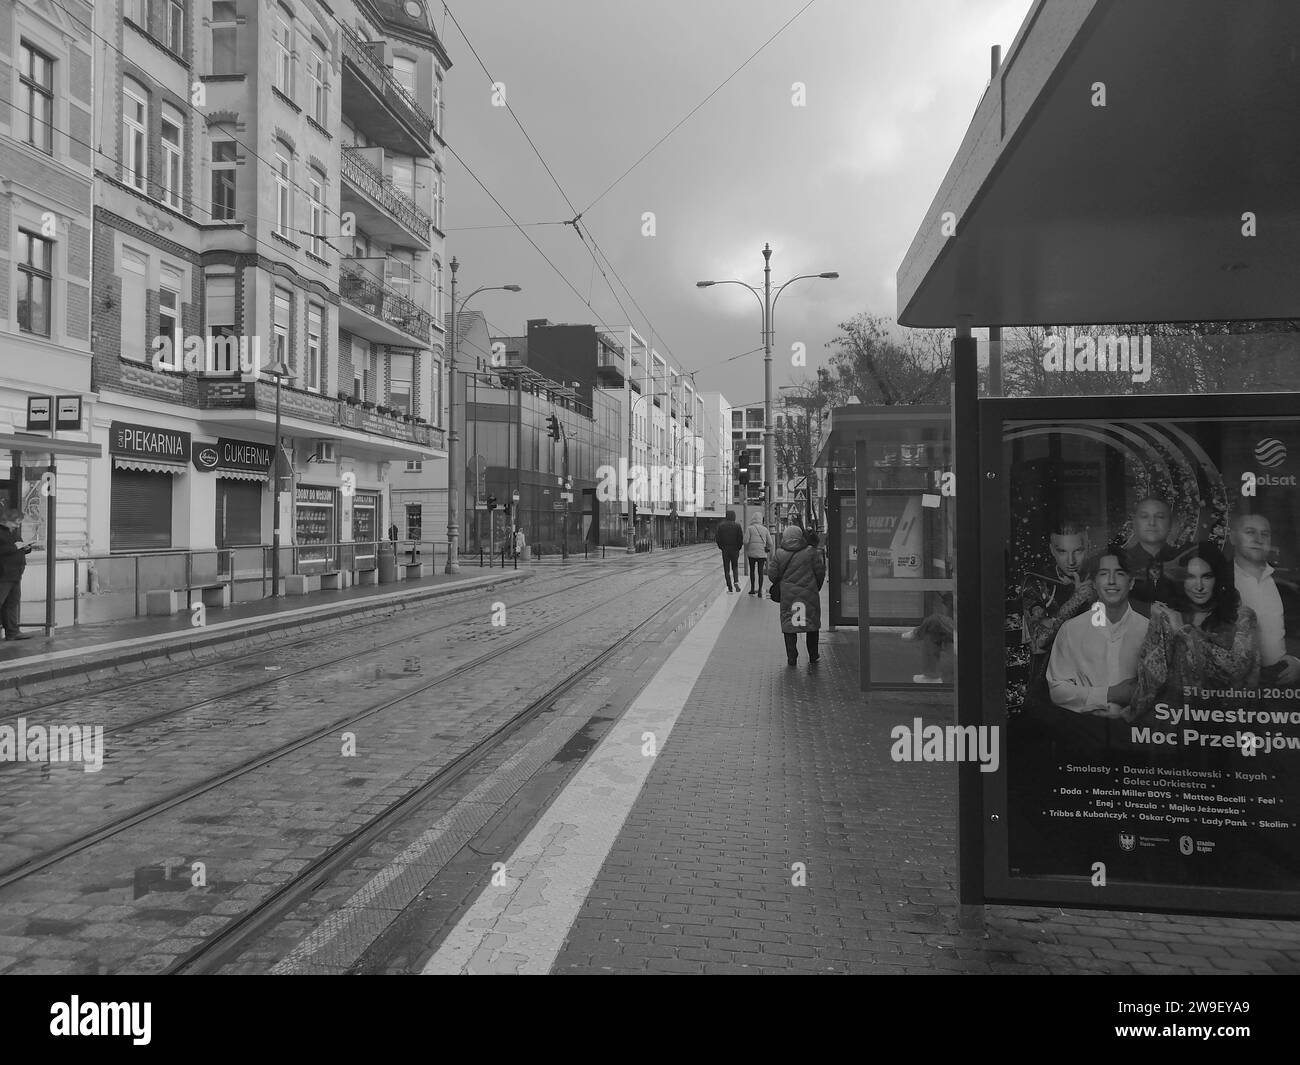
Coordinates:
<point>13,560</point>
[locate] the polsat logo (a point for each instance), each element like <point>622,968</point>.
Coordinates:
<point>1270,453</point>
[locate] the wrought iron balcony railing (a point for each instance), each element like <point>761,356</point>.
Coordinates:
<point>393,94</point>
<point>385,193</point>
<point>378,300</point>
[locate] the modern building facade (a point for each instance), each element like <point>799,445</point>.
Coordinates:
<point>269,189</point>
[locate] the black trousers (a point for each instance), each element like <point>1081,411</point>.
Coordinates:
<point>792,644</point>
<point>730,566</point>
<point>761,565</point>
<point>11,597</point>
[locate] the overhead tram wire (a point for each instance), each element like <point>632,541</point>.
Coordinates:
<point>697,107</point>
<point>577,215</point>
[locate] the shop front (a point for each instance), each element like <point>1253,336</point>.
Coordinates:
<point>145,461</point>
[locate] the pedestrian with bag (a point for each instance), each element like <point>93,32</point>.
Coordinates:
<point>797,574</point>
<point>521,542</point>
<point>13,561</point>
<point>730,539</point>
<point>758,549</point>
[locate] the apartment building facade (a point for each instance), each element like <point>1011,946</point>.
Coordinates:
<point>46,203</point>
<point>269,193</point>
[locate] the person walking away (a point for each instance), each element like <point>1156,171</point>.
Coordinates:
<point>13,560</point>
<point>730,540</point>
<point>758,549</point>
<point>801,571</point>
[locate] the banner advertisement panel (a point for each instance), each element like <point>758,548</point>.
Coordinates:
<point>1150,667</point>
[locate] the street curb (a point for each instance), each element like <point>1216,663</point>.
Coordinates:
<point>165,645</point>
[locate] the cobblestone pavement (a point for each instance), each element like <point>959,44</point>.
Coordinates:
<point>131,904</point>
<point>767,767</point>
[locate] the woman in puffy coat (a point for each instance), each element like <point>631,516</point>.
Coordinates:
<point>801,571</point>
<point>758,548</point>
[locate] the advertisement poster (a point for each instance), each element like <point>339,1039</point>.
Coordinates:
<point>1152,651</point>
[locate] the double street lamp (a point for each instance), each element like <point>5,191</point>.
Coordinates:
<point>453,437</point>
<point>767,303</point>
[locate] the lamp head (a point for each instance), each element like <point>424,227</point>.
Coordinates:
<point>279,369</point>
<point>704,284</point>
<point>512,288</point>
<point>830,273</point>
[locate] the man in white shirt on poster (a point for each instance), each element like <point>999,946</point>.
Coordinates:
<point>1251,536</point>
<point>1094,663</point>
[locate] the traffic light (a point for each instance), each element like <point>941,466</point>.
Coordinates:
<point>492,502</point>
<point>553,428</point>
<point>742,466</point>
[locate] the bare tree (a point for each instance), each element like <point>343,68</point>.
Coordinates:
<point>880,364</point>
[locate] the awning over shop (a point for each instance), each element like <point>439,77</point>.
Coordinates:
<point>240,475</point>
<point>1176,200</point>
<point>176,469</point>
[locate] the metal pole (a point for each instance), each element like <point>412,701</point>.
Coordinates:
<point>453,438</point>
<point>277,532</point>
<point>769,459</point>
<point>564,531</point>
<point>631,408</point>
<point>49,547</point>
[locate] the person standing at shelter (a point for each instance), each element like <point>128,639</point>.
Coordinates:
<point>730,539</point>
<point>801,571</point>
<point>758,549</point>
<point>13,561</point>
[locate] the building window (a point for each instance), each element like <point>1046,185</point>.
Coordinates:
<point>223,181</point>
<point>219,309</point>
<point>312,371</point>
<point>283,309</point>
<point>437,102</point>
<point>137,11</point>
<point>404,75</point>
<point>316,242</point>
<point>437,292</point>
<point>173,155</point>
<point>414,466</point>
<point>439,190</point>
<point>404,176</point>
<point>283,192</point>
<point>224,37</point>
<point>401,373</point>
<point>319,82</point>
<point>176,27</point>
<point>437,392</point>
<point>284,53</point>
<point>135,140</point>
<point>35,282</point>
<point>36,97</point>
<point>399,275</point>
<point>169,303</point>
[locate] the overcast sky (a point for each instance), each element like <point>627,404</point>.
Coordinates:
<point>839,184</point>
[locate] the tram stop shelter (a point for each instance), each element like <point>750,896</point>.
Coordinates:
<point>891,541</point>
<point>1128,163</point>
<point>30,484</point>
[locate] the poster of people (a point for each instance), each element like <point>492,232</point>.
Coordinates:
<point>1152,651</point>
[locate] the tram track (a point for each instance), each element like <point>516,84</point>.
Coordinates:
<point>268,682</point>
<point>38,863</point>
<point>223,946</point>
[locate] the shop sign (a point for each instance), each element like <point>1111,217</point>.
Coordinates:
<point>148,442</point>
<point>230,454</point>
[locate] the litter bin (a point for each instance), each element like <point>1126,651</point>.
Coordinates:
<point>387,562</point>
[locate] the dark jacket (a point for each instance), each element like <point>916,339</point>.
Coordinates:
<point>801,571</point>
<point>13,560</point>
<point>730,537</point>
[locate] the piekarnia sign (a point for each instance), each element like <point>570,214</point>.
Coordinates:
<point>148,442</point>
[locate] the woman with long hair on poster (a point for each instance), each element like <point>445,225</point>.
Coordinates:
<point>1203,638</point>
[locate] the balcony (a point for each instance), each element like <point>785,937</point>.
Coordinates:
<point>375,100</point>
<point>370,309</point>
<point>610,367</point>
<point>382,210</point>
<point>258,397</point>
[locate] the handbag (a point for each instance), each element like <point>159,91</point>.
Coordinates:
<point>774,586</point>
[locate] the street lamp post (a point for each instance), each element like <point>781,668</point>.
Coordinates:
<point>453,438</point>
<point>767,302</point>
<point>279,371</point>
<point>631,413</point>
